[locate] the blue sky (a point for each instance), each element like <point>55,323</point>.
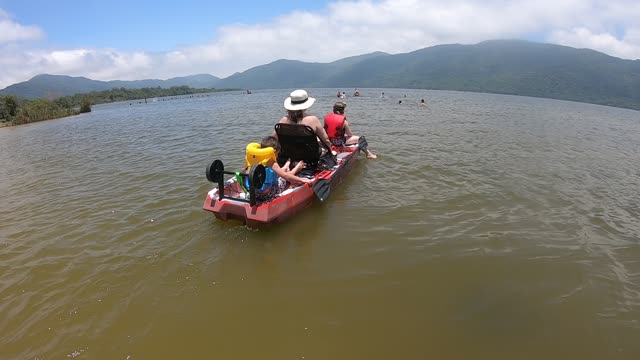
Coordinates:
<point>142,25</point>
<point>128,40</point>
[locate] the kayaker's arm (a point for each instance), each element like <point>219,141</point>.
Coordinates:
<point>322,134</point>
<point>347,129</point>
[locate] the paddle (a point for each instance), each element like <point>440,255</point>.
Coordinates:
<point>362,144</point>
<point>321,188</point>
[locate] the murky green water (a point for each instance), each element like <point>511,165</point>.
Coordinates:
<point>491,227</point>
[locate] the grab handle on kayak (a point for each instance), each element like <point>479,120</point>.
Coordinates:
<point>215,174</point>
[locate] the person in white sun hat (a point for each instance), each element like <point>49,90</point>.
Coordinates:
<point>296,104</point>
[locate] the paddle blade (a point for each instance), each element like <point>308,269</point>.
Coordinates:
<point>362,143</point>
<point>321,188</point>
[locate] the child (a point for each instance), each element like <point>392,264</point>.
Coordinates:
<point>277,178</point>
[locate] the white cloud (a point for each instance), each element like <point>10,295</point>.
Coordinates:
<point>95,64</point>
<point>347,28</point>
<point>10,31</point>
<point>628,47</point>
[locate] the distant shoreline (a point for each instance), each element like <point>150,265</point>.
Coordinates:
<point>21,112</point>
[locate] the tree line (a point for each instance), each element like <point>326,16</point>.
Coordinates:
<point>15,111</point>
<point>124,94</point>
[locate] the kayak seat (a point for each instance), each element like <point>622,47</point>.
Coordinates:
<point>298,143</point>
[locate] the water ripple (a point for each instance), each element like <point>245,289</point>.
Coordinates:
<point>492,214</point>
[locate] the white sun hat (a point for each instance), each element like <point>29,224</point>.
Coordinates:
<point>298,100</point>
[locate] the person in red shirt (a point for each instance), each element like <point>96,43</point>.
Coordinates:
<point>338,130</point>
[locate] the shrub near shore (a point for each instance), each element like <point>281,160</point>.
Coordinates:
<point>39,110</point>
<point>17,112</point>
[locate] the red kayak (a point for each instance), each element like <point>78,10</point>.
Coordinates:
<point>229,201</point>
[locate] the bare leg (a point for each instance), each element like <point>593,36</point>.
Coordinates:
<point>370,155</point>
<point>354,140</point>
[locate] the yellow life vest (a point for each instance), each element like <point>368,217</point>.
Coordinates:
<point>256,155</point>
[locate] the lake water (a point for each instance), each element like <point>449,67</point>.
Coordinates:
<point>490,227</point>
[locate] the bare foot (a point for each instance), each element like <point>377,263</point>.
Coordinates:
<point>371,155</point>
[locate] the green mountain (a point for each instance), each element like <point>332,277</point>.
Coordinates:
<point>292,73</point>
<point>54,86</point>
<point>499,66</point>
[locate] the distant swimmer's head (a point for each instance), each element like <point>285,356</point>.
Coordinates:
<point>298,100</point>
<point>338,108</point>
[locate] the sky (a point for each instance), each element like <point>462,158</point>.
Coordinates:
<point>140,39</point>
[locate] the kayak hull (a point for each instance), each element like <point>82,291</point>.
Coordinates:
<point>284,206</point>
<point>272,212</point>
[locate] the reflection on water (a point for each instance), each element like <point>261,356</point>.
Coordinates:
<point>490,227</point>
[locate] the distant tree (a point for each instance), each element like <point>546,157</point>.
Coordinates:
<point>63,103</point>
<point>10,105</point>
<point>3,108</point>
<point>85,107</point>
